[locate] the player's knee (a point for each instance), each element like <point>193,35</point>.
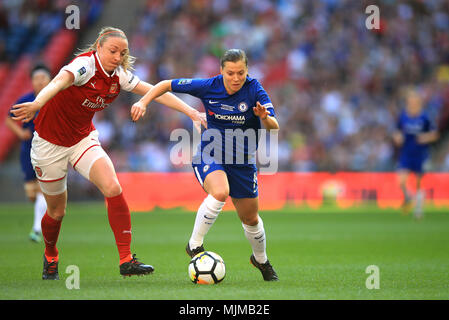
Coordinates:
<point>250,220</point>
<point>56,212</point>
<point>111,189</point>
<point>220,195</point>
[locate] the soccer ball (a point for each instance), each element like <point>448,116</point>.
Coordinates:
<point>207,268</point>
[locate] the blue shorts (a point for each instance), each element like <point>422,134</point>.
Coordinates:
<point>242,178</point>
<point>414,164</point>
<point>27,168</point>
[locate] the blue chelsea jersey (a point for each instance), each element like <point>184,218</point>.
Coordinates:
<point>225,111</point>
<point>29,97</point>
<point>411,127</point>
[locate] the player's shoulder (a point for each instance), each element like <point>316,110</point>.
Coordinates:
<point>87,57</point>
<point>252,82</point>
<point>253,85</point>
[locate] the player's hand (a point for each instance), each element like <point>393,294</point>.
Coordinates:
<point>138,110</point>
<point>199,118</point>
<point>24,112</point>
<point>261,111</point>
<point>398,138</point>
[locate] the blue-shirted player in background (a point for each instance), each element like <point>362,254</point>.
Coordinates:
<point>40,77</point>
<point>414,132</point>
<point>232,101</point>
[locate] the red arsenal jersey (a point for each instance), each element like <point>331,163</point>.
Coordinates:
<point>67,117</point>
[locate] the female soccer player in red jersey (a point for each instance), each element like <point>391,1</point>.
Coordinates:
<point>65,134</point>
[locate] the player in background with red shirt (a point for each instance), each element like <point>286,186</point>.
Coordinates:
<point>65,134</point>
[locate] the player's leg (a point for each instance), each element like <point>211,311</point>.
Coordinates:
<point>40,207</point>
<point>420,197</point>
<point>34,194</point>
<point>50,164</point>
<point>90,160</point>
<point>244,194</point>
<point>51,226</point>
<point>247,210</point>
<point>31,194</point>
<point>216,185</point>
<point>103,175</point>
<point>407,202</point>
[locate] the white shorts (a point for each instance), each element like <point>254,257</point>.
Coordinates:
<point>50,161</point>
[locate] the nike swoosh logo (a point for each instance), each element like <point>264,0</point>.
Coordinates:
<point>208,217</point>
<point>212,102</point>
<point>257,238</point>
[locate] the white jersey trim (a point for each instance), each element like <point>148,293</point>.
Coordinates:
<point>82,68</point>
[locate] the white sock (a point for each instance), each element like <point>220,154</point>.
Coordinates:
<point>256,237</point>
<point>205,218</point>
<point>420,197</point>
<point>40,207</point>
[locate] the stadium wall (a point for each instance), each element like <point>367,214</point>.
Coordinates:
<point>145,191</point>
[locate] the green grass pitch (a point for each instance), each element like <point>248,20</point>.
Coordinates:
<point>317,255</point>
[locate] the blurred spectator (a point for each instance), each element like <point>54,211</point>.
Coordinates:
<point>335,84</point>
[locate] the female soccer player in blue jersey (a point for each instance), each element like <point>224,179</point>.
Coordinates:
<point>40,77</point>
<point>414,132</point>
<point>235,105</point>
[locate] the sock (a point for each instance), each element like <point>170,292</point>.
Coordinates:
<point>420,197</point>
<point>50,233</point>
<point>256,237</point>
<point>40,207</point>
<point>205,218</point>
<point>120,222</point>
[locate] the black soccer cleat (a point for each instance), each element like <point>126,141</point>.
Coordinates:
<point>266,269</point>
<point>50,271</point>
<point>195,251</point>
<point>135,267</point>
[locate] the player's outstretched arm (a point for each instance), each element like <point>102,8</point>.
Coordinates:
<point>428,137</point>
<point>21,133</point>
<point>26,111</point>
<point>160,93</point>
<point>268,121</point>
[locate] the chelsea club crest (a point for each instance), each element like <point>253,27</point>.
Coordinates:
<point>243,106</point>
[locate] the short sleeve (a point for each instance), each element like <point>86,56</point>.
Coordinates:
<point>264,99</point>
<point>82,69</point>
<point>128,80</point>
<point>194,87</point>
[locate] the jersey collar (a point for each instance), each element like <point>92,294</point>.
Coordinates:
<point>101,67</point>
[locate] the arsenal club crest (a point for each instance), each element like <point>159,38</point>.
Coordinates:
<point>38,171</point>
<point>113,88</point>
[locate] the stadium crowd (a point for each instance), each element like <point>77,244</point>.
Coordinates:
<point>27,25</point>
<point>336,86</point>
